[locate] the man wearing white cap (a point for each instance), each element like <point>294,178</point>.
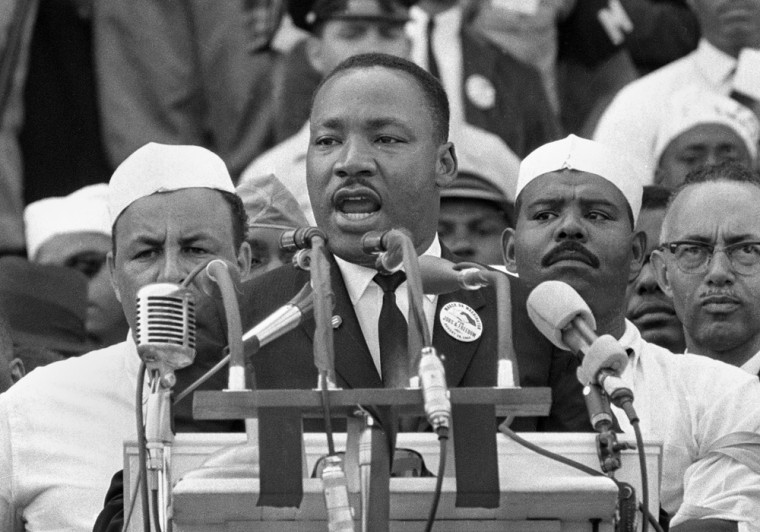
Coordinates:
<point>63,426</point>
<point>700,128</point>
<point>577,203</point>
<point>75,231</point>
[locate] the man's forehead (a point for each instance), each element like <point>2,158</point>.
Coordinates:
<point>714,207</point>
<point>183,213</point>
<point>378,76</point>
<point>572,184</point>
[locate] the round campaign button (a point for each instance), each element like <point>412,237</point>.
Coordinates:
<point>461,321</point>
<point>480,91</point>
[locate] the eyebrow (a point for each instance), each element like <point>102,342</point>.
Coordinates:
<point>372,123</point>
<point>732,239</point>
<point>585,202</point>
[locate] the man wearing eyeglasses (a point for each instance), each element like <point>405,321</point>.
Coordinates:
<point>709,263</point>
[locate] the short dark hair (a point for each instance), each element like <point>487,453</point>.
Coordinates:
<point>655,197</point>
<point>725,171</point>
<point>238,217</point>
<point>432,90</point>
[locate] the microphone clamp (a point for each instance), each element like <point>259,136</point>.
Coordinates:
<point>295,239</point>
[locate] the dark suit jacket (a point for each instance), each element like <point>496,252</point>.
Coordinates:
<point>521,113</point>
<point>288,361</point>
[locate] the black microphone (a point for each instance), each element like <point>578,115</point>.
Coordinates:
<point>300,238</point>
<point>440,276</point>
<point>165,328</point>
<point>561,314</point>
<point>284,319</point>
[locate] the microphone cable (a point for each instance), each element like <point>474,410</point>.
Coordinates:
<point>443,437</point>
<point>648,517</point>
<point>142,446</point>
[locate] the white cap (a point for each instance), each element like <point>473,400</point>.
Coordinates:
<point>575,153</point>
<point>83,211</point>
<point>692,106</point>
<point>163,168</point>
<point>484,154</point>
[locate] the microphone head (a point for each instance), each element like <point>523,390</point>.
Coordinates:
<point>552,305</point>
<point>165,327</point>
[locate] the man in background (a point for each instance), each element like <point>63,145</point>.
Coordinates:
<point>649,308</point>
<point>708,261</point>
<point>75,231</point>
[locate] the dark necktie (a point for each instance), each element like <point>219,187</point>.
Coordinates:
<point>432,63</point>
<point>392,334</point>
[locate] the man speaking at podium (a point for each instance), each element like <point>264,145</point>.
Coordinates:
<point>377,159</point>
<point>576,206</point>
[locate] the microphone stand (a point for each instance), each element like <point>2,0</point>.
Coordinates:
<point>159,438</point>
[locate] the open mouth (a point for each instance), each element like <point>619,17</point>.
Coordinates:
<point>356,204</point>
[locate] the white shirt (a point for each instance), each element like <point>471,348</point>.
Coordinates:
<point>287,161</point>
<point>447,49</point>
<point>62,429</point>
<point>632,120</point>
<point>367,299</point>
<point>690,402</point>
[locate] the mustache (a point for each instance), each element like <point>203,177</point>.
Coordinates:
<point>556,254</point>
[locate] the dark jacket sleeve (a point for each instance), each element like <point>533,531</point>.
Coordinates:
<point>111,517</point>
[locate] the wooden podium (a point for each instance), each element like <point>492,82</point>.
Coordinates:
<point>537,493</point>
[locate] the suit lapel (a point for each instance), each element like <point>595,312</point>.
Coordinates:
<point>353,361</point>
<point>458,354</point>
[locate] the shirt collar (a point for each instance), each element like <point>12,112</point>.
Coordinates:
<point>715,65</point>
<point>357,278</point>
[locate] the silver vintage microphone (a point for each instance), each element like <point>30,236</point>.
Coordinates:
<point>165,327</point>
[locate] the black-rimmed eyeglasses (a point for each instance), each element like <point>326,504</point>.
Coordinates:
<point>694,257</point>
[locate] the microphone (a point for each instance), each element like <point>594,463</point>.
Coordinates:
<point>561,314</point>
<point>283,320</point>
<point>439,276</point>
<point>165,328</point>
<point>300,238</point>
<point>387,246</point>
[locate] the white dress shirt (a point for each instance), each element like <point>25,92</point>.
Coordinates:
<point>632,120</point>
<point>367,299</point>
<point>696,406</point>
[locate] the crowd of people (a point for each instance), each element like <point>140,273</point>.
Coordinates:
<point>609,144</point>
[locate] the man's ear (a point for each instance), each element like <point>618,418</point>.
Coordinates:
<point>17,369</point>
<point>638,247</point>
<point>508,249</point>
<point>111,270</point>
<point>446,165</point>
<point>314,53</point>
<point>660,267</point>
<point>244,258</point>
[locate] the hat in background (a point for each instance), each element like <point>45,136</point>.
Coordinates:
<point>46,306</point>
<point>83,211</point>
<point>692,106</point>
<point>268,203</point>
<point>307,14</point>
<point>164,168</point>
<point>473,186</point>
<point>575,153</point>
<point>485,155</point>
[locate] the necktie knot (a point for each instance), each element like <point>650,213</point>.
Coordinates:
<point>389,283</point>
